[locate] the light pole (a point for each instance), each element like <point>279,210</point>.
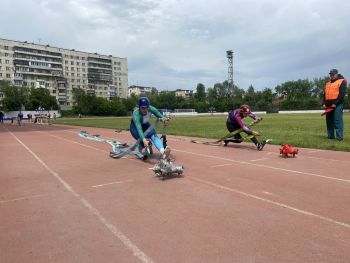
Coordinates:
<point>229,54</point>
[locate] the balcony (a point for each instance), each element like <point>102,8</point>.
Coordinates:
<point>35,52</point>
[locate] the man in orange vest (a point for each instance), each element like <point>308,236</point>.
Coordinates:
<point>334,93</point>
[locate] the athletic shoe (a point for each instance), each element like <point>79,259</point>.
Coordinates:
<point>166,154</point>
<point>260,145</point>
<point>226,142</point>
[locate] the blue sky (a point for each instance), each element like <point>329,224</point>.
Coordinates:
<point>176,44</point>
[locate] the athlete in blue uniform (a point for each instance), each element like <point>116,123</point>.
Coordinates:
<point>140,123</point>
<point>235,122</point>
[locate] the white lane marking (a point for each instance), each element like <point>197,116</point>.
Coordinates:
<point>265,166</point>
<point>277,152</point>
<point>260,198</point>
<point>115,231</point>
<point>271,202</point>
<point>117,182</point>
<point>21,198</point>
<point>261,159</point>
<point>81,144</point>
<point>220,165</point>
<point>315,151</point>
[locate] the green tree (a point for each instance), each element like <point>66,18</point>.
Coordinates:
<point>200,92</point>
<point>117,107</point>
<point>41,98</point>
<point>14,97</point>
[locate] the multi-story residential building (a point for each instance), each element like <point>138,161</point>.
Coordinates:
<point>183,93</point>
<point>62,70</point>
<point>138,90</point>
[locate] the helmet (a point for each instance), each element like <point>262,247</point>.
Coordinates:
<point>244,108</point>
<point>144,102</point>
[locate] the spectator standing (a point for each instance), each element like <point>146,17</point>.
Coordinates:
<point>334,93</point>
<point>1,117</point>
<point>19,118</point>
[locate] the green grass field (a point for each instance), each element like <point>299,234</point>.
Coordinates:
<point>301,130</point>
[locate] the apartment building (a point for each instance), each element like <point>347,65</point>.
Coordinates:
<point>183,93</point>
<point>139,91</point>
<point>61,70</point>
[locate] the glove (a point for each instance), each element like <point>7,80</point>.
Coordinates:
<point>258,119</point>
<point>145,142</point>
<point>166,121</point>
<point>256,133</point>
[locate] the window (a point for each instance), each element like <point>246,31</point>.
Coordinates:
<point>7,61</point>
<point>8,76</point>
<point>6,47</point>
<point>6,54</point>
<point>72,62</point>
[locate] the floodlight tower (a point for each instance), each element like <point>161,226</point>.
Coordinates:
<point>229,54</point>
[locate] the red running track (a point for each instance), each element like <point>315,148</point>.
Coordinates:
<point>62,199</point>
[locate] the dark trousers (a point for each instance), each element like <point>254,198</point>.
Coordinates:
<point>231,127</point>
<point>334,121</point>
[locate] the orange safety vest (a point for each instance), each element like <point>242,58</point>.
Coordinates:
<point>332,89</point>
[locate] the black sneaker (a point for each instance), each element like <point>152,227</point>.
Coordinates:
<point>225,142</point>
<point>261,145</point>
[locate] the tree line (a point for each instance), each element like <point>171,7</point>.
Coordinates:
<point>291,95</point>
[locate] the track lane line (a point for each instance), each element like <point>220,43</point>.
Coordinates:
<point>117,182</point>
<point>264,166</point>
<point>114,230</point>
<point>304,212</point>
<point>21,198</point>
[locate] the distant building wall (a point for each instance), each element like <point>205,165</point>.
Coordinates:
<point>61,70</point>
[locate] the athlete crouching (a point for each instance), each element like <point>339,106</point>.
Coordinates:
<point>235,122</point>
<point>140,123</point>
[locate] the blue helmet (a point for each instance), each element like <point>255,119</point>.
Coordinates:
<point>144,102</point>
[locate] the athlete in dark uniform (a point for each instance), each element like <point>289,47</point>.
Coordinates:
<point>235,122</point>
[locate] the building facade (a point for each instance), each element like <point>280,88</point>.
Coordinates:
<point>185,93</point>
<point>61,70</point>
<point>139,91</point>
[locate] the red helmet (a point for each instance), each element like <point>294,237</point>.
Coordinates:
<point>244,108</point>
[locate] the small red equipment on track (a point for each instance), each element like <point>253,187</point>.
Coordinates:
<point>288,149</point>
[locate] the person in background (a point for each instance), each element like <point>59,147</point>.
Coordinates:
<point>140,123</point>
<point>29,116</point>
<point>235,122</point>
<point>334,93</point>
<point>1,117</point>
<point>19,118</point>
